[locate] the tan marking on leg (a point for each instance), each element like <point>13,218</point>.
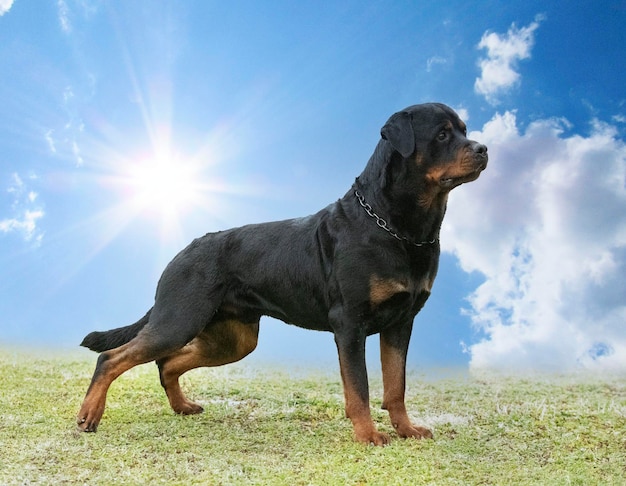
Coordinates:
<point>394,382</point>
<point>221,343</point>
<point>170,369</point>
<point>117,361</point>
<point>358,410</point>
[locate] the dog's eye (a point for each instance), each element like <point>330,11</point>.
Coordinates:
<point>443,134</point>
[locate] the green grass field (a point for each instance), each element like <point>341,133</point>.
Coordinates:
<point>263,426</point>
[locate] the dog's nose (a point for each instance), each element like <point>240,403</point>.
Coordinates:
<point>479,148</point>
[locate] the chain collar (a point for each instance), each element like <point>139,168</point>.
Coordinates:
<point>383,224</point>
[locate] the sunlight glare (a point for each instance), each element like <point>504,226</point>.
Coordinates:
<point>164,186</point>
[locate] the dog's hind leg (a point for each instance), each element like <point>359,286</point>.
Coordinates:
<point>220,343</point>
<point>144,348</point>
<point>110,365</point>
<point>182,310</point>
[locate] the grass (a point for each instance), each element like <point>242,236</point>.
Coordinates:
<point>263,426</point>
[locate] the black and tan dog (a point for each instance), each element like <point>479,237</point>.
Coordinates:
<point>363,265</point>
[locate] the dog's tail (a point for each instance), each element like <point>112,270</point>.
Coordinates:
<point>103,341</point>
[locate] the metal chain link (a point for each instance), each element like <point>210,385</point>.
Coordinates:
<point>383,223</point>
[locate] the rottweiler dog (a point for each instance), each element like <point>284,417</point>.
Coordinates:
<point>362,265</point>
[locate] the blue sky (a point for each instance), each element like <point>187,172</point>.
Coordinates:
<point>129,128</point>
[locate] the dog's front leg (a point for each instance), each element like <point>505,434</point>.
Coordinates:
<point>394,344</point>
<point>351,348</point>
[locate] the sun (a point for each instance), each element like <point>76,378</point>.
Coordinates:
<point>163,185</point>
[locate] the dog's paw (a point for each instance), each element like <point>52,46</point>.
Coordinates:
<point>88,421</point>
<point>414,431</point>
<point>372,437</point>
<point>187,408</point>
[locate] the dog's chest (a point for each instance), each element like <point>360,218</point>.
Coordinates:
<point>394,300</point>
<point>405,283</point>
<point>400,298</point>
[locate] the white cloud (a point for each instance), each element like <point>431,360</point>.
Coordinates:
<point>619,118</point>
<point>25,212</point>
<point>25,223</point>
<point>48,135</point>
<point>78,158</point>
<point>433,61</point>
<point>64,19</point>
<point>463,113</point>
<point>5,6</point>
<point>546,225</point>
<point>64,141</point>
<point>79,10</point>
<point>498,69</point>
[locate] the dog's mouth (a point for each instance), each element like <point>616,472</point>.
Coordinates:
<point>451,182</point>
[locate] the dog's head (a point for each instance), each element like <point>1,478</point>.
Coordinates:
<point>434,138</point>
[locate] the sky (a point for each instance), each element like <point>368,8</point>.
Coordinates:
<point>129,128</point>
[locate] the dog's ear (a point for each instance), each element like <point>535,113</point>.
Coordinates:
<point>398,131</point>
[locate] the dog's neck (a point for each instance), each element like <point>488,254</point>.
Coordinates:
<point>393,191</point>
